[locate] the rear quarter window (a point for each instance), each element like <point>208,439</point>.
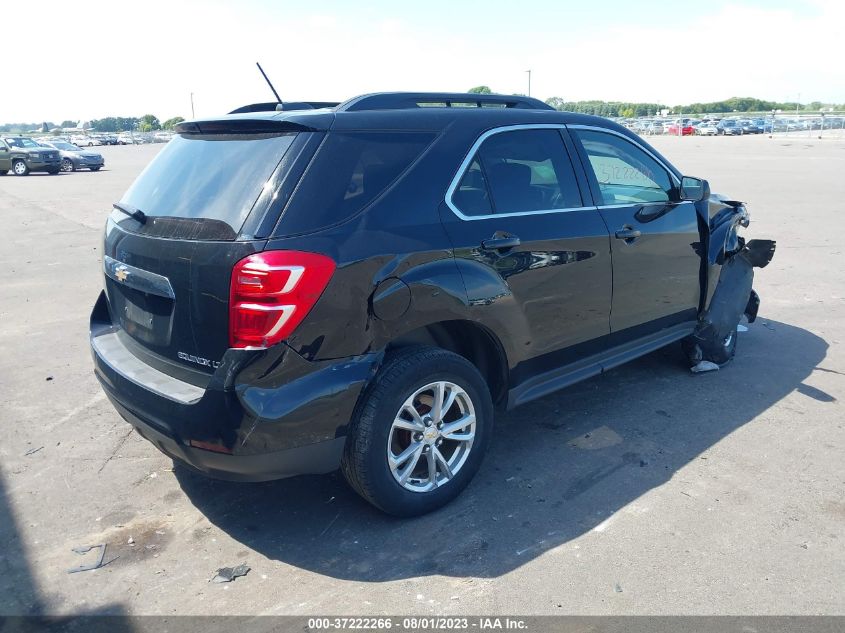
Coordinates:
<point>349,171</point>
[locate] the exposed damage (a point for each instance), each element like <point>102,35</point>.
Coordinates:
<point>728,272</point>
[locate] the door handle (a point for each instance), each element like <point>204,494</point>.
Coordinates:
<point>628,233</point>
<point>500,242</point>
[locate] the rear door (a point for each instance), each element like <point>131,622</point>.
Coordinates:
<point>517,210</point>
<point>205,198</point>
<point>654,237</point>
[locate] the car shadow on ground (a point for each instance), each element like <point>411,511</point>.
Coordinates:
<point>557,468</point>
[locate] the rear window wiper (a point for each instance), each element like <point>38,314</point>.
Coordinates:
<point>136,214</point>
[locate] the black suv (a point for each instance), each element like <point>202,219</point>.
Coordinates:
<point>358,285</point>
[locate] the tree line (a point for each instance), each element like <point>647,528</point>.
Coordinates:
<point>145,123</point>
<point>629,109</point>
<point>734,104</point>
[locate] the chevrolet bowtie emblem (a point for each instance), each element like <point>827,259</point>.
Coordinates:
<point>121,272</point>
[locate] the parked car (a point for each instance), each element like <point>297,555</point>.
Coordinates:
<point>83,140</point>
<point>707,129</point>
<point>749,127</point>
<point>762,124</point>
<point>108,139</point>
<point>680,128</point>
<point>653,128</point>
<point>640,126</point>
<point>128,138</point>
<point>23,155</point>
<point>430,263</point>
<point>729,127</point>
<point>74,158</point>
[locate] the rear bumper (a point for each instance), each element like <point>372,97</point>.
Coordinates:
<point>264,414</point>
<point>319,458</point>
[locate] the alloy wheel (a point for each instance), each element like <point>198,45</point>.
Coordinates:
<point>431,436</point>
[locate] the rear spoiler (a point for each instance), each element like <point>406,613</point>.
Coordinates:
<point>241,126</point>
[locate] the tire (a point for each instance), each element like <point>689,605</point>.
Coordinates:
<point>94,168</point>
<point>19,168</point>
<point>3,172</point>
<point>716,351</point>
<point>411,375</point>
<point>67,165</point>
<point>53,172</point>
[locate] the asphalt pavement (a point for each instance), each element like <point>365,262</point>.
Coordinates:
<point>647,490</point>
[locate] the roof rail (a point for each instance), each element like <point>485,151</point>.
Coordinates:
<point>409,100</point>
<point>273,106</point>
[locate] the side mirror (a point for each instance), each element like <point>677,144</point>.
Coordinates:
<point>694,189</point>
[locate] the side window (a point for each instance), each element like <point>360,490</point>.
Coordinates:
<point>348,172</point>
<point>472,196</point>
<point>517,172</point>
<point>625,173</point>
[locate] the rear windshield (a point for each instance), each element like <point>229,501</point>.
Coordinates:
<point>215,177</point>
<point>349,171</point>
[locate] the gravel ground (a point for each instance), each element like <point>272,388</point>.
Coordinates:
<point>646,490</point>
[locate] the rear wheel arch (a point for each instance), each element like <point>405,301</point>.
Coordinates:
<point>470,340</point>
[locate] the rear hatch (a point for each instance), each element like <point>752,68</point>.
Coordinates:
<point>209,199</point>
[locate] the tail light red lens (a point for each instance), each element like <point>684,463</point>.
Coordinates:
<point>271,293</point>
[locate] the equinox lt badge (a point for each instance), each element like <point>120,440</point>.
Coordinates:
<point>214,364</point>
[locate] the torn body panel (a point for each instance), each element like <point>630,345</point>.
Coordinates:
<point>720,219</point>
<point>731,263</point>
<point>729,300</point>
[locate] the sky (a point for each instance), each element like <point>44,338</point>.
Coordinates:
<point>118,58</point>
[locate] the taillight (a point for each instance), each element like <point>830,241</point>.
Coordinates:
<point>271,293</point>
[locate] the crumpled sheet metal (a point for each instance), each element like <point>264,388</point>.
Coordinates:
<point>89,566</point>
<point>228,574</point>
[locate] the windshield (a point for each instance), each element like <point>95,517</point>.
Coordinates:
<point>66,146</point>
<point>212,177</point>
<point>22,142</point>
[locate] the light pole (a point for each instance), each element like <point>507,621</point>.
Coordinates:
<point>193,116</point>
<point>529,82</point>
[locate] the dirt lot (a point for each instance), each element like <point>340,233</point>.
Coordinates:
<point>645,490</point>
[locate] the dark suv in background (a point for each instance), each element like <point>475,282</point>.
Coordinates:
<point>23,155</point>
<point>358,285</point>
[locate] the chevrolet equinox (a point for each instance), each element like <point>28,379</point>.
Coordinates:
<point>298,288</point>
